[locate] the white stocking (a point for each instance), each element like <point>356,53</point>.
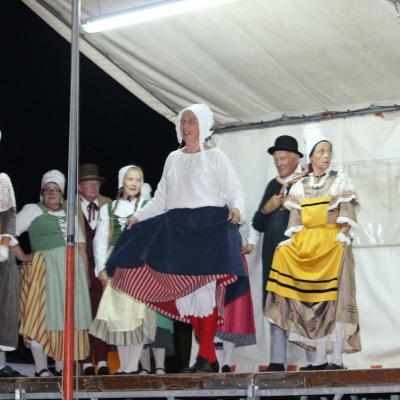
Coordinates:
<point>320,354</point>
<point>159,357</point>
<point>145,359</point>
<point>123,355</point>
<point>59,365</point>
<point>135,350</point>
<point>336,357</point>
<point>228,353</point>
<point>38,355</point>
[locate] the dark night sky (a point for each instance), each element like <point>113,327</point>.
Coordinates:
<point>115,127</point>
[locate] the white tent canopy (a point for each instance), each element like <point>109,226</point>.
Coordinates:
<point>250,60</point>
<point>256,60</point>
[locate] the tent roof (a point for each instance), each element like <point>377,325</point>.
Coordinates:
<point>250,60</point>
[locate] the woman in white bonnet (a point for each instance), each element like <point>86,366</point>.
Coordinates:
<point>43,281</point>
<point>120,320</point>
<point>184,249</point>
<point>311,286</point>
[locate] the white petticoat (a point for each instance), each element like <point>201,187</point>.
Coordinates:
<point>200,303</point>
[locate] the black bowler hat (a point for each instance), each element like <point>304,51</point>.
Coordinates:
<point>286,143</point>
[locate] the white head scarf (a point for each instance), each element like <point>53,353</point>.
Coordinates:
<point>205,119</point>
<point>145,190</point>
<point>54,176</point>
<point>121,174</point>
<point>312,136</point>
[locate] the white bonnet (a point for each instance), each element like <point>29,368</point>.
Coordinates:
<point>312,135</point>
<point>54,176</point>
<point>204,117</point>
<point>121,174</point>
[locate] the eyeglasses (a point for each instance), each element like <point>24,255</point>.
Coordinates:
<point>190,121</point>
<point>50,191</point>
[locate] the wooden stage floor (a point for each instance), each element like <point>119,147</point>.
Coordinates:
<point>360,384</point>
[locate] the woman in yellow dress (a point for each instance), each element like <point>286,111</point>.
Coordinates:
<point>311,285</point>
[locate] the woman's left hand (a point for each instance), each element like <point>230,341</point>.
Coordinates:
<point>234,215</point>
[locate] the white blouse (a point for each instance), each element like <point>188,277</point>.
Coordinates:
<point>124,209</point>
<point>31,211</point>
<point>192,181</point>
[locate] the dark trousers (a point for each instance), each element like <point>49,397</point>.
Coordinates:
<point>98,348</point>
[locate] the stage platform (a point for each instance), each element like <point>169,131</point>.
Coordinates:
<point>359,384</point>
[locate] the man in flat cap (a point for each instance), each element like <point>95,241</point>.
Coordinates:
<point>272,220</point>
<point>88,211</point>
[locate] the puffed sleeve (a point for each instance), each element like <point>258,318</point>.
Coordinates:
<point>229,182</point>
<point>156,205</point>
<point>25,217</point>
<point>101,240</point>
<point>345,199</point>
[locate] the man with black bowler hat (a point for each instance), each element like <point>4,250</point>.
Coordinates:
<point>272,220</point>
<point>88,211</point>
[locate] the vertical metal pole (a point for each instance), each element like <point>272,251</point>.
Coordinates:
<point>71,203</point>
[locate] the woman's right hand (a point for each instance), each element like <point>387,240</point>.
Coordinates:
<point>103,277</point>
<point>131,221</point>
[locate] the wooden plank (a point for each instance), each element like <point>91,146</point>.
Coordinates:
<point>340,378</point>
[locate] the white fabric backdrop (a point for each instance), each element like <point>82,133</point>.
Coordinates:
<point>368,149</point>
<point>249,60</point>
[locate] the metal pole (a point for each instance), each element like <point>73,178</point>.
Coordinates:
<point>71,203</point>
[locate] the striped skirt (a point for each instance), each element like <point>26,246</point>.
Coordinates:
<point>33,314</point>
<point>172,255</point>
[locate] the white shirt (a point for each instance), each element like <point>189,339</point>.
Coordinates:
<point>124,209</point>
<point>84,206</point>
<point>190,181</point>
<point>31,211</point>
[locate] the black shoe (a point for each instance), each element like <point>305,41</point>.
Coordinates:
<point>215,366</point>
<point>8,372</point>
<point>103,371</point>
<point>275,367</point>
<point>58,373</point>
<point>331,367</point>
<point>226,368</point>
<point>201,365</point>
<point>43,373</point>
<point>311,367</point>
<point>89,371</point>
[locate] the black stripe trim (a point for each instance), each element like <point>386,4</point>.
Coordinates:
<point>315,204</point>
<point>302,290</point>
<point>304,280</point>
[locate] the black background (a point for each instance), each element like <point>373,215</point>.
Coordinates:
<point>115,127</point>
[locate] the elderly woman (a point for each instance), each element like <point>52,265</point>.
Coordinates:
<point>121,320</point>
<point>186,248</point>
<point>43,282</point>
<point>311,284</point>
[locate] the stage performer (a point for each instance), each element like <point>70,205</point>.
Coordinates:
<point>43,281</point>
<point>121,320</point>
<point>186,248</point>
<point>88,213</point>
<point>9,282</point>
<point>239,327</point>
<point>311,285</point>
<point>271,219</point>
